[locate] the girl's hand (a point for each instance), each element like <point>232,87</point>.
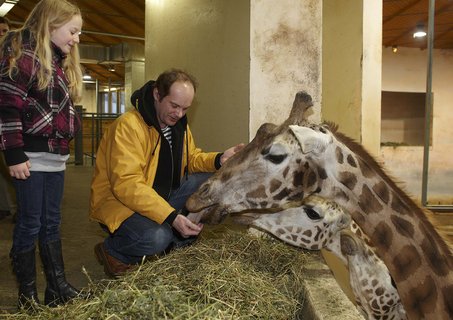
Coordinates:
<point>20,171</point>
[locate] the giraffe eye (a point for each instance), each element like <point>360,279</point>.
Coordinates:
<point>312,214</point>
<point>276,158</point>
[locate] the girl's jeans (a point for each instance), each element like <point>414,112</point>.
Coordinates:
<point>139,236</point>
<point>38,209</point>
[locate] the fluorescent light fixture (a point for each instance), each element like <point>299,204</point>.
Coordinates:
<point>86,76</point>
<point>6,6</point>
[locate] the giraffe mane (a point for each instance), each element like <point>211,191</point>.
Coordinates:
<point>424,214</point>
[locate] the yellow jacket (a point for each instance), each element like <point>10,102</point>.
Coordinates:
<point>126,163</point>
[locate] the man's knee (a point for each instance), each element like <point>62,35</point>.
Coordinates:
<point>155,241</point>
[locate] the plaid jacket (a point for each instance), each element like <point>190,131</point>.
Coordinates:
<point>34,120</point>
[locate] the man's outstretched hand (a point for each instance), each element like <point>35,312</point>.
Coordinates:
<point>186,227</point>
<point>231,152</point>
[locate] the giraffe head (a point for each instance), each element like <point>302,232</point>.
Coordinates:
<point>311,226</point>
<point>279,168</point>
<point>374,289</point>
<point>257,176</point>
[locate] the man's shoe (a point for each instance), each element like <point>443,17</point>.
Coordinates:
<point>112,266</point>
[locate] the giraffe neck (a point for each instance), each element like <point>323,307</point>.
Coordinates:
<point>415,254</point>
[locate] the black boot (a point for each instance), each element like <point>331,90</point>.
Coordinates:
<point>24,265</point>
<point>58,290</point>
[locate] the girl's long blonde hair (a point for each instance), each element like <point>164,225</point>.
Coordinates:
<point>45,17</point>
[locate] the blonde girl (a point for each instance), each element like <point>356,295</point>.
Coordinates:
<point>40,79</point>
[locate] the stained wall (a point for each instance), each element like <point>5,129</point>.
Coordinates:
<point>285,57</point>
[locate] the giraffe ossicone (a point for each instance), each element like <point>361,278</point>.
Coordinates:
<point>283,165</point>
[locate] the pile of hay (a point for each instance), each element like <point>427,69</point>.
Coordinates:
<point>231,276</point>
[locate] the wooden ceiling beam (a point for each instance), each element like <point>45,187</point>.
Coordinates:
<point>399,12</point>
<point>104,21</point>
<point>114,6</point>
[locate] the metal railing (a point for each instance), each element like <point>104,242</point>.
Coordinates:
<point>87,139</point>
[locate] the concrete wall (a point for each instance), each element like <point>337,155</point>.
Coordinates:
<point>351,71</point>
<point>405,71</point>
<point>210,39</point>
<point>285,58</point>
<point>342,55</point>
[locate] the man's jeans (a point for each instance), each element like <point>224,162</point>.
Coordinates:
<point>38,209</point>
<point>140,236</point>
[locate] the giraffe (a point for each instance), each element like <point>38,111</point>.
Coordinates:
<point>318,224</point>
<point>374,291</point>
<point>284,164</point>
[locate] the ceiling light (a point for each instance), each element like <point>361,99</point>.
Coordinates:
<point>111,68</point>
<point>86,76</point>
<point>6,6</point>
<point>420,31</point>
<point>394,49</point>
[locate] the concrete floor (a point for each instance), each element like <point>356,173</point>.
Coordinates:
<point>79,235</point>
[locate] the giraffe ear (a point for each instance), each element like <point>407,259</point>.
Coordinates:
<point>309,139</point>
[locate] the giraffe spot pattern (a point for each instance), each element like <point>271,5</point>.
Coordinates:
<point>348,179</point>
<point>351,161</point>
<point>252,203</point>
<point>422,299</point>
<point>382,191</point>
<point>259,192</point>
<point>317,234</point>
<point>339,155</point>
<point>322,174</point>
<point>367,202</point>
<point>406,263</point>
<point>298,178</point>
<point>358,217</point>
<point>366,170</point>
<point>282,194</point>
<point>374,305</point>
<point>285,172</point>
<point>307,233</point>
<point>400,206</point>
<point>434,256</point>
<point>275,184</point>
<point>402,226</point>
<point>296,196</point>
<point>382,236</point>
<point>380,291</point>
<point>312,179</point>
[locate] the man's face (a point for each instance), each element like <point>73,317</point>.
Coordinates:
<point>3,29</point>
<point>174,106</point>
